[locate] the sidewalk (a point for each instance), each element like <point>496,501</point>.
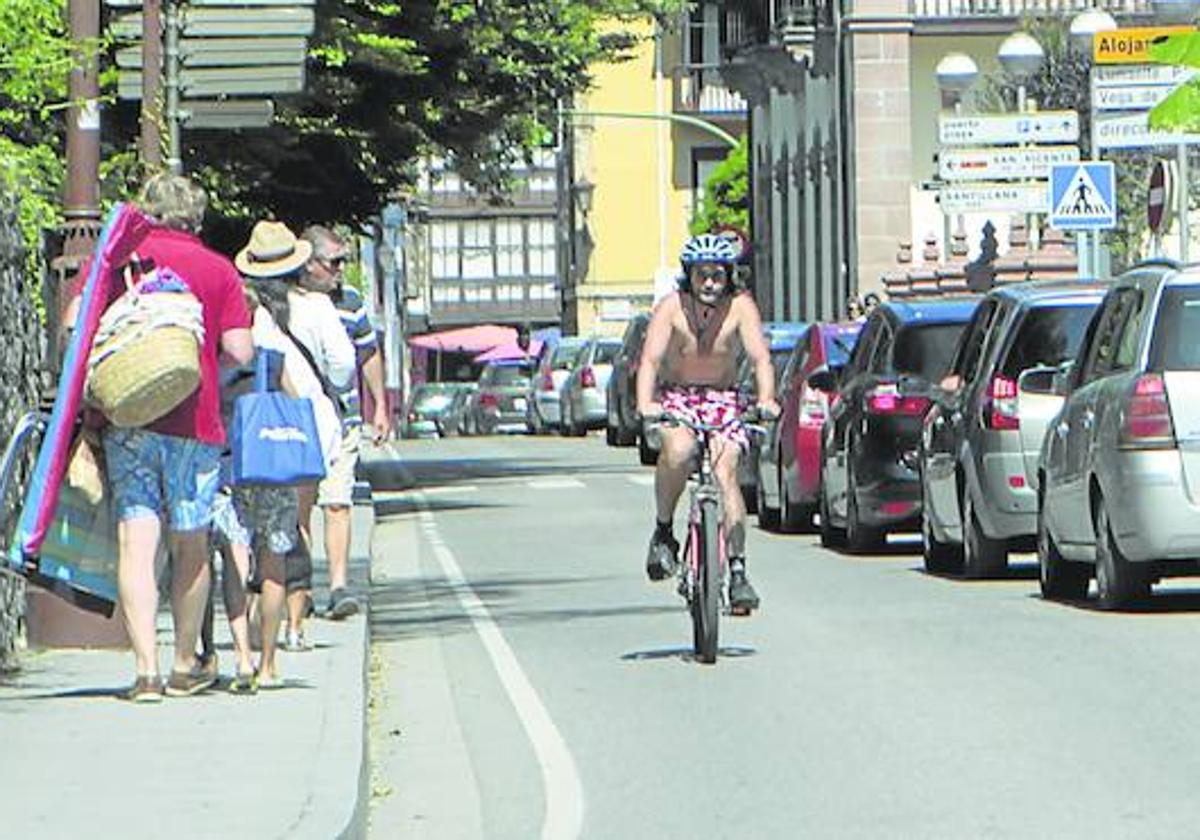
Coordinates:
<point>76,761</point>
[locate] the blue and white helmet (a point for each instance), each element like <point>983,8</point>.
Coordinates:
<point>708,248</point>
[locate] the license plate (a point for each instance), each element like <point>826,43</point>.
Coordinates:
<point>519,404</point>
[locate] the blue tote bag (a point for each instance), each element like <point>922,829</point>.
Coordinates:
<point>273,437</point>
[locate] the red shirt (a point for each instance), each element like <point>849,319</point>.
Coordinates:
<point>215,281</point>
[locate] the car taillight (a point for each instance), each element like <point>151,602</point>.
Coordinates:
<point>1000,404</point>
<point>1147,421</point>
<point>886,399</point>
<point>547,381</point>
<point>489,400</point>
<point>587,378</point>
<point>812,407</point>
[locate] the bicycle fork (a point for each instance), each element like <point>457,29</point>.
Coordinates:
<point>690,571</point>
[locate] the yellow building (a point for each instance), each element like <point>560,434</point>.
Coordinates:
<point>642,141</point>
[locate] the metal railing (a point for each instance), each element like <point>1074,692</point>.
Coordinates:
<point>699,89</point>
<point>1020,8</point>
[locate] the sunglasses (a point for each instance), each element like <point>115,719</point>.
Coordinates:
<point>335,262</point>
<point>709,274</point>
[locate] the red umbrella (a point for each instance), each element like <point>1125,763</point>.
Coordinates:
<point>510,351</point>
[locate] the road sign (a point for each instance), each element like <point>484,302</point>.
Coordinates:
<point>1038,127</point>
<point>1132,131</point>
<point>1160,198</point>
<point>1083,196</point>
<point>1001,198</point>
<point>1131,45</point>
<point>1129,97</point>
<point>223,81</point>
<point>227,113</point>
<point>1001,162</point>
<point>227,52</point>
<point>246,21</point>
<point>1118,75</point>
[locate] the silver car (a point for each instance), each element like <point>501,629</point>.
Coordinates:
<point>1119,471</point>
<point>981,438</point>
<point>584,398</point>
<point>545,388</point>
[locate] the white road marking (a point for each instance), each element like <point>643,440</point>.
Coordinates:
<point>555,483</point>
<point>563,817</point>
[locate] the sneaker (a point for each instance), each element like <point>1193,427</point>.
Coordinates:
<point>662,558</point>
<point>144,690</point>
<point>296,642</point>
<point>187,683</point>
<point>342,604</point>
<point>742,597</point>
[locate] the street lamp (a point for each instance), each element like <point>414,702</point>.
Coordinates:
<point>1086,25</point>
<point>1021,57</point>
<point>956,72</point>
<point>583,189</point>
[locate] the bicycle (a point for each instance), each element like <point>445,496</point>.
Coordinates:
<point>703,570</point>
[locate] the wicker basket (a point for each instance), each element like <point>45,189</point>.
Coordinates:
<point>147,377</point>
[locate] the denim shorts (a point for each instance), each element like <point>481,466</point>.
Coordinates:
<point>151,474</point>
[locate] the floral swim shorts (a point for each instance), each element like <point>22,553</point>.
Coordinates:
<point>249,514</point>
<point>714,406</point>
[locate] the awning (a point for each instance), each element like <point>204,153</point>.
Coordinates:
<point>510,350</point>
<point>466,339</point>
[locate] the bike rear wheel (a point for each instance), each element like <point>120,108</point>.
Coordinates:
<point>706,596</point>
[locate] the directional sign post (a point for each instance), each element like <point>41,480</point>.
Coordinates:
<point>989,164</point>
<point>1036,127</point>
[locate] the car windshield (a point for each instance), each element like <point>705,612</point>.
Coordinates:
<point>925,350</point>
<point>564,356</point>
<point>605,353</point>
<point>505,375</point>
<point>1048,335</point>
<point>1177,331</point>
<point>839,345</point>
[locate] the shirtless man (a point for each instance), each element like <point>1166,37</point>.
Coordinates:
<point>693,340</point>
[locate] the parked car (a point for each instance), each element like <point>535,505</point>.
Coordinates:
<point>428,401</point>
<point>623,425</point>
<point>869,449</point>
<point>782,337</point>
<point>789,463</point>
<point>545,386</point>
<point>982,436</point>
<point>501,401</point>
<point>1119,470</point>
<point>584,397</point>
<point>452,421</point>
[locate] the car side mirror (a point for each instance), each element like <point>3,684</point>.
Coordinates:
<point>823,379</point>
<point>1037,380</point>
<point>912,386</point>
<point>1063,377</point>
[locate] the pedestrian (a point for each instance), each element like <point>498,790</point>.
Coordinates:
<point>324,274</point>
<point>171,468</point>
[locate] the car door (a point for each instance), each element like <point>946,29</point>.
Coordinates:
<point>845,413</point>
<point>1067,503</point>
<point>793,390</point>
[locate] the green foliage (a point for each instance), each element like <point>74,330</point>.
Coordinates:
<point>727,193</point>
<point>1180,111</point>
<point>1063,83</point>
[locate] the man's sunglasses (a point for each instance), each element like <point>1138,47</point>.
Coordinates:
<point>335,262</point>
<point>709,273</point>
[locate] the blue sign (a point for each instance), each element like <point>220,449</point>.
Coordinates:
<point>1083,196</point>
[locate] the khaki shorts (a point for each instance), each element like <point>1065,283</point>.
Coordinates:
<point>337,488</point>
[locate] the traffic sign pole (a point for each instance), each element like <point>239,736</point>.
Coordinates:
<point>1181,159</point>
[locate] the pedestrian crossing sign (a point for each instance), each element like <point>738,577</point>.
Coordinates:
<point>1083,196</point>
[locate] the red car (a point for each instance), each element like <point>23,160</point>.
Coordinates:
<point>789,465</point>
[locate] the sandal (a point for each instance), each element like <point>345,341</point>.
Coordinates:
<point>245,684</point>
<point>144,690</point>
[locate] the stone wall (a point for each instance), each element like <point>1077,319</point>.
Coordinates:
<point>21,353</point>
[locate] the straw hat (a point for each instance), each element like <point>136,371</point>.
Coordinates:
<point>273,251</point>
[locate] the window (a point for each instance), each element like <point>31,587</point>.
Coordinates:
<point>967,357</point>
<point>881,358</point>
<point>1103,351</point>
<point>443,237</point>
<point>1048,335</point>
<point>510,249</point>
<point>477,249</point>
<point>542,260</point>
<point>1176,346</point>
<point>925,350</point>
<point>1131,332</point>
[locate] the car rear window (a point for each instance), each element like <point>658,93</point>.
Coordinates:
<point>1047,335</point>
<point>925,350</point>
<point>839,345</point>
<point>1176,344</point>
<point>565,356</point>
<point>605,353</point>
<point>506,375</point>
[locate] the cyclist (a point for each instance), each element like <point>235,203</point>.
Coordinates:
<point>693,341</point>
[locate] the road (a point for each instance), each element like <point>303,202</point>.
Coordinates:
<point>529,681</point>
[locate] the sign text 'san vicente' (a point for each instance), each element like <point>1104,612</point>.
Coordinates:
<point>990,164</point>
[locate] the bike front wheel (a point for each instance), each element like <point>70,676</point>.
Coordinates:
<point>706,597</point>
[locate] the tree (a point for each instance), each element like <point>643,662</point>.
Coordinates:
<point>727,193</point>
<point>476,80</point>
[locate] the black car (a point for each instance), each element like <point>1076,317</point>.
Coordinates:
<point>623,426</point>
<point>869,451</point>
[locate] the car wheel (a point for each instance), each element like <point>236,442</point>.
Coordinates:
<point>646,454</point>
<point>982,555</point>
<point>626,436</point>
<point>537,426</point>
<point>768,517</point>
<point>860,538</point>
<point>1058,577</point>
<point>564,419</point>
<point>831,536</point>
<point>940,557</point>
<point>793,518</point>
<point>1118,583</point>
<point>610,435</point>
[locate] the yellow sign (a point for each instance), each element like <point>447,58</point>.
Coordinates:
<point>1129,46</point>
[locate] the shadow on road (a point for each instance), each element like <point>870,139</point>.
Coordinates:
<point>1015,571</point>
<point>415,608</point>
<point>686,654</point>
<point>1171,602</point>
<point>409,475</point>
<point>399,507</point>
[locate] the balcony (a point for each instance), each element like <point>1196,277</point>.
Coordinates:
<point>781,21</point>
<point>1010,11</point>
<point>699,89</point>
<point>506,300</point>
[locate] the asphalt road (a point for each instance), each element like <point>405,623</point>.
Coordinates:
<point>529,681</point>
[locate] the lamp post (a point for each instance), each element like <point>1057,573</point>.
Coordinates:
<point>956,73</point>
<point>1021,57</point>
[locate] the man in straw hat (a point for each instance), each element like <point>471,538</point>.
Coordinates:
<point>171,467</point>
